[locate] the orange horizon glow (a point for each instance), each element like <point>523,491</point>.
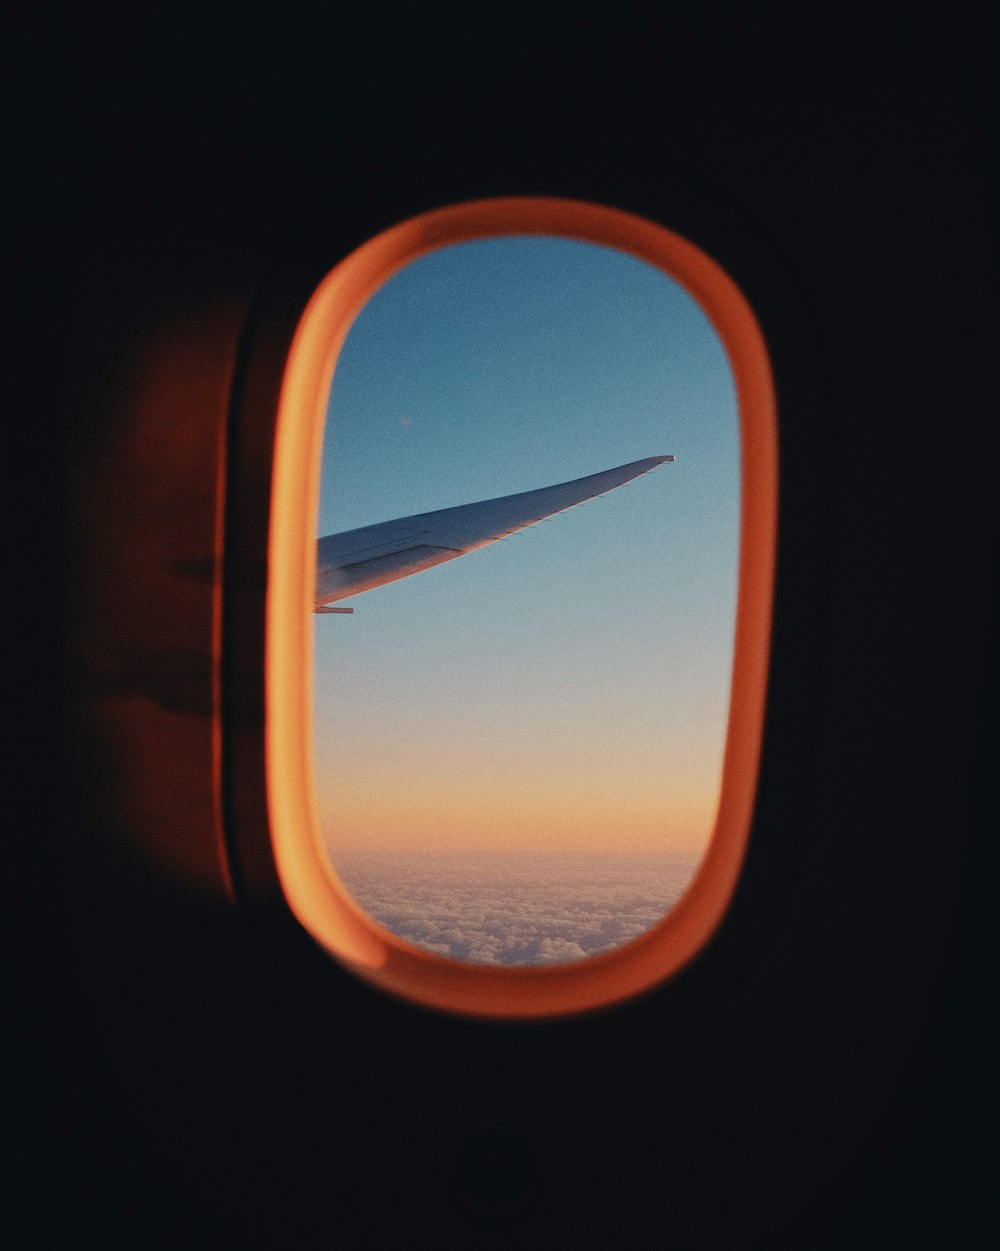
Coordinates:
<point>373,805</point>
<point>499,822</point>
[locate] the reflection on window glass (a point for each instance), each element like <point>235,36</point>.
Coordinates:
<point>518,749</point>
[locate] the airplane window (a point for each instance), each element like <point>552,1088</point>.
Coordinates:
<point>530,506</point>
<point>520,564</point>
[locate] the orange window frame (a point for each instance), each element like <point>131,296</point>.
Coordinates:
<point>309,881</point>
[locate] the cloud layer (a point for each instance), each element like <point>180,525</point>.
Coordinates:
<point>516,909</point>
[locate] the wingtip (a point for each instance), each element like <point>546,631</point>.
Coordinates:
<point>636,468</point>
<point>652,462</point>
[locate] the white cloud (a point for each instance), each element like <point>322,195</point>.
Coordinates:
<point>516,909</point>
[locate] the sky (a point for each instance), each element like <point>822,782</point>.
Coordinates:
<point>567,688</point>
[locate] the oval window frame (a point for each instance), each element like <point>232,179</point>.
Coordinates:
<point>308,879</point>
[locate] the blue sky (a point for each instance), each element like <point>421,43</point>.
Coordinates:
<point>566,688</point>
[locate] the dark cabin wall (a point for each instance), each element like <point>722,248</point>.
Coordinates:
<point>196,1076</point>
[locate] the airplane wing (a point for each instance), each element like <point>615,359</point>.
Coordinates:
<point>358,560</point>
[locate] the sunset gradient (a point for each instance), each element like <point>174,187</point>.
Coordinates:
<point>566,689</point>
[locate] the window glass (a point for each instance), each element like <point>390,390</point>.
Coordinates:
<point>518,750</point>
